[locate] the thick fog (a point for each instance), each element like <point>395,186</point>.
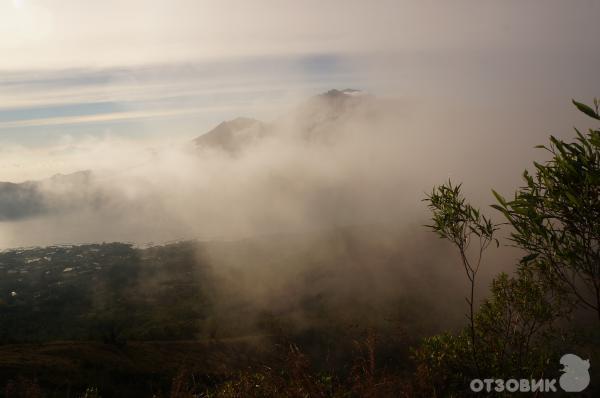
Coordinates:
<point>348,170</point>
<point>330,161</point>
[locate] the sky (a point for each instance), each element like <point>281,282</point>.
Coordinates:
<point>169,70</point>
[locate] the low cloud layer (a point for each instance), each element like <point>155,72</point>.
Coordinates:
<point>330,161</point>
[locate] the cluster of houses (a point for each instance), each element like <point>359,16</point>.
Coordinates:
<point>26,272</point>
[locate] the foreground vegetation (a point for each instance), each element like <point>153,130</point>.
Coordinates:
<point>543,310</point>
<point>213,315</point>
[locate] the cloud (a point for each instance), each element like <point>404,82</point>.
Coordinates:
<point>70,33</point>
<point>103,118</point>
<point>38,106</point>
<point>283,183</point>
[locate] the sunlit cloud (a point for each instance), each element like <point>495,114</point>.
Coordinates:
<point>71,33</point>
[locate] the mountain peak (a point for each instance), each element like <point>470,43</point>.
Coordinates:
<point>232,134</point>
<point>348,92</point>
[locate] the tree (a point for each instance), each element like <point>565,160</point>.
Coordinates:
<point>516,333</point>
<point>510,334</point>
<point>556,215</point>
<point>556,221</point>
<point>457,221</point>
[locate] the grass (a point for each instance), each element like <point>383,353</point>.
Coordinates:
<point>139,369</point>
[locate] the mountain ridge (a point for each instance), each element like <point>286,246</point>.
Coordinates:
<point>234,135</point>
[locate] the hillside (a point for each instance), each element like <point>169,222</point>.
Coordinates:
<point>144,313</point>
<point>36,198</point>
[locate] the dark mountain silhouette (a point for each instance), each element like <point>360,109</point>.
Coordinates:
<point>34,198</point>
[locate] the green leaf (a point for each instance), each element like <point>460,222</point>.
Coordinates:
<point>572,198</point>
<point>586,109</point>
<point>499,198</point>
<point>529,258</point>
